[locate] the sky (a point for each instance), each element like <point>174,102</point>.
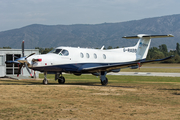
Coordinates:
<point>19,13</point>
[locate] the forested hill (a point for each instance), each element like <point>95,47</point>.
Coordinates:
<point>83,35</point>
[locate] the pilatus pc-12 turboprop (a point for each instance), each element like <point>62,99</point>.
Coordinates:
<point>94,61</point>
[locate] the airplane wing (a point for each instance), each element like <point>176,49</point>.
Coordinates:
<point>120,65</point>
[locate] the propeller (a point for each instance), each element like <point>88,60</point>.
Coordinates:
<point>22,61</point>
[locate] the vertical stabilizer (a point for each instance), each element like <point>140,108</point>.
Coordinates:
<point>143,47</point>
<point>144,43</point>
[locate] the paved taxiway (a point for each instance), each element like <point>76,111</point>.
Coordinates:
<point>146,74</point>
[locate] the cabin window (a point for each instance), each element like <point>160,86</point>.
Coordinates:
<point>87,55</point>
<point>95,56</point>
<point>81,54</point>
<point>104,56</point>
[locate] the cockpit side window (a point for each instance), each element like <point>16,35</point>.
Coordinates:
<point>65,52</point>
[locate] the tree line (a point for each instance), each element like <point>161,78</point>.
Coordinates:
<point>44,50</point>
<point>153,53</point>
<point>162,52</point>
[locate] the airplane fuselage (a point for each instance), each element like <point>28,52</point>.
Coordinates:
<point>76,58</point>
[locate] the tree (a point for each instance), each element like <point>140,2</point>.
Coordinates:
<point>152,52</point>
<point>110,47</point>
<point>177,49</point>
<point>6,47</point>
<point>116,47</point>
<point>163,49</point>
<point>44,51</point>
<point>158,55</point>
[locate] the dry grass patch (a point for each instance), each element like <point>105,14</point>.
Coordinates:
<point>119,100</point>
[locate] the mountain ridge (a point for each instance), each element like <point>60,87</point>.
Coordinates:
<point>93,35</point>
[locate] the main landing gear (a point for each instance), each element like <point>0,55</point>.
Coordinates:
<point>58,76</point>
<point>61,79</point>
<point>103,78</point>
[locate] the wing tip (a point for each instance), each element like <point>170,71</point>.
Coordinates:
<point>147,36</point>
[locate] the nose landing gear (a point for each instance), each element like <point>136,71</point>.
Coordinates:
<point>45,81</point>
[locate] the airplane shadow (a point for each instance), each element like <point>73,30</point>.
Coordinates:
<point>170,89</point>
<point>174,93</point>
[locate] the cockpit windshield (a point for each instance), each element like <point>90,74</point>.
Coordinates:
<point>62,52</point>
<point>56,51</point>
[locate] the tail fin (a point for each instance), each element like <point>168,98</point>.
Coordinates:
<point>144,42</point>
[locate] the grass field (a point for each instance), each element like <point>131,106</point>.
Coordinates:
<point>83,97</point>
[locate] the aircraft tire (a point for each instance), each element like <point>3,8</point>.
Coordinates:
<point>61,80</point>
<point>45,82</point>
<point>105,82</point>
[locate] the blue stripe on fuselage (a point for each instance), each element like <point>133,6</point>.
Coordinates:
<point>68,67</point>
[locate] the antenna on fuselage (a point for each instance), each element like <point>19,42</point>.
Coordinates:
<point>102,47</point>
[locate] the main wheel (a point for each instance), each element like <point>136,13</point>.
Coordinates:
<point>105,82</point>
<point>45,82</point>
<point>61,80</point>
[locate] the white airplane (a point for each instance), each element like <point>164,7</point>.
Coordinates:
<point>94,61</point>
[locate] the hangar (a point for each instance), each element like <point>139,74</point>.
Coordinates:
<point>12,69</point>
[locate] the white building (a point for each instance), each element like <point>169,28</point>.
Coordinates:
<point>12,69</point>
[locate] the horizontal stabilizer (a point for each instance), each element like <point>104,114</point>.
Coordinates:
<point>147,36</point>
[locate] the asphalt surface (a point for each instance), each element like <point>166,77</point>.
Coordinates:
<point>146,74</point>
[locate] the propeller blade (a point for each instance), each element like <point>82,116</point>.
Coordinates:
<point>19,70</point>
<point>30,55</point>
<point>22,61</point>
<point>16,57</point>
<point>11,62</point>
<point>28,69</point>
<point>23,48</point>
